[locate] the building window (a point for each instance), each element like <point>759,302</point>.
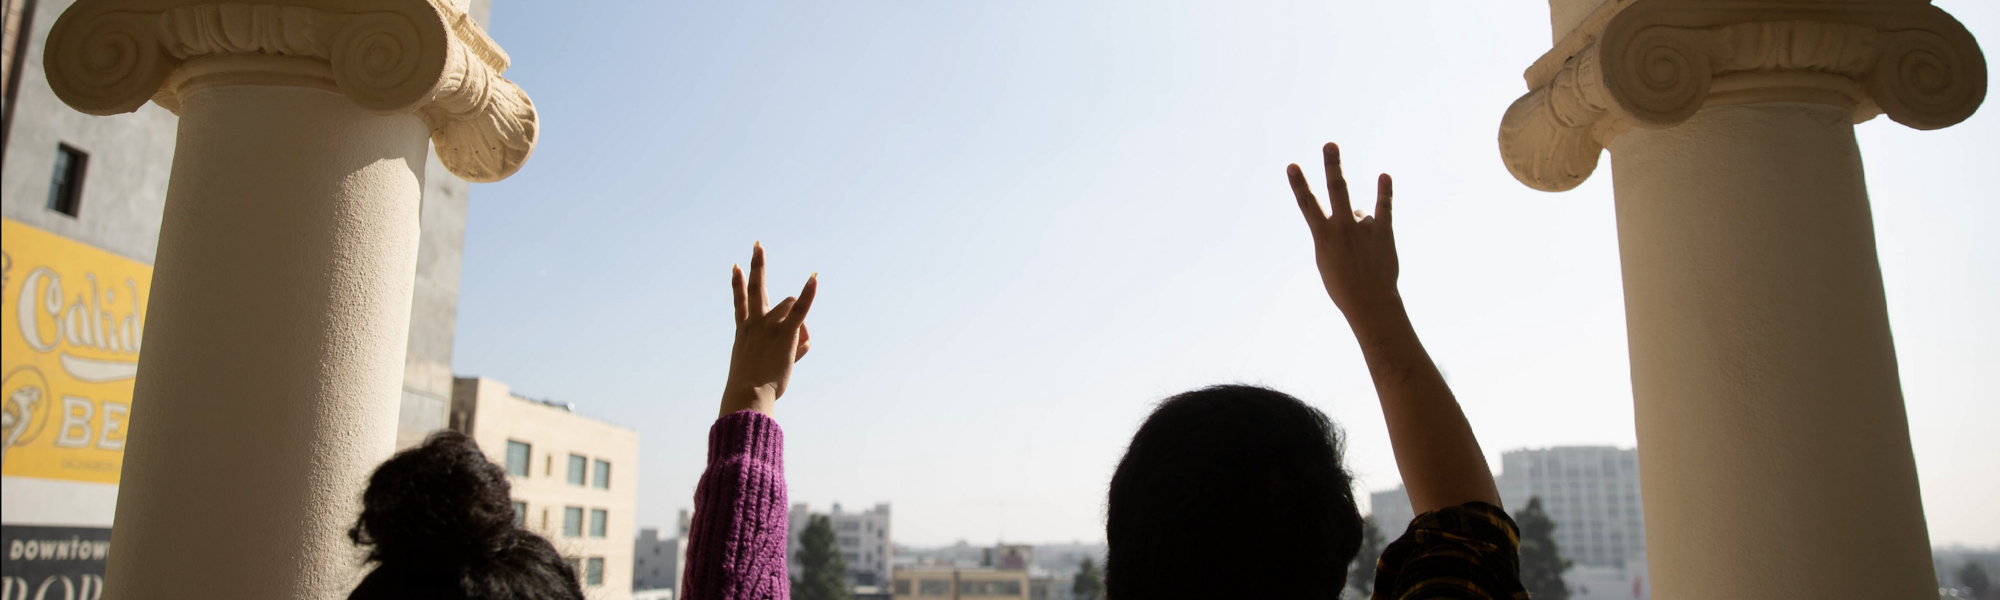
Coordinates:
<point>577,472</point>
<point>66,184</point>
<point>598,518</point>
<point>593,571</point>
<point>518,454</point>
<point>902,587</point>
<point>520,514</point>
<point>603,479</point>
<point>934,587</point>
<point>573,521</point>
<point>989,588</point>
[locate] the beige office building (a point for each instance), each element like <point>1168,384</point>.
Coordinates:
<point>927,582</point>
<point>573,476</point>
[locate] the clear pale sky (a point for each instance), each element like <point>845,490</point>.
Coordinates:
<point>1032,220</point>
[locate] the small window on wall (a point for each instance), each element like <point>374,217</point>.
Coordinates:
<point>593,571</point>
<point>603,479</point>
<point>518,454</point>
<point>577,472</point>
<point>573,521</point>
<point>66,184</point>
<point>520,514</point>
<point>598,518</point>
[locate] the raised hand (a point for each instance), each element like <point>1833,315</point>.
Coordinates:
<point>769,339</point>
<point>1436,451</point>
<point>1356,253</point>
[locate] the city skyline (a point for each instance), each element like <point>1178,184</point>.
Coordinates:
<point>1032,222</point>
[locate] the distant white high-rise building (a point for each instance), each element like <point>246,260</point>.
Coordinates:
<point>1392,512</point>
<point>656,561</point>
<point>863,540</point>
<point>653,561</point>
<point>1590,492</point>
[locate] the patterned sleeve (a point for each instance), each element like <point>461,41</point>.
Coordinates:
<point>1466,552</point>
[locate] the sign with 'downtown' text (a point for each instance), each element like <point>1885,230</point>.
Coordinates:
<point>69,347</point>
<point>50,563</point>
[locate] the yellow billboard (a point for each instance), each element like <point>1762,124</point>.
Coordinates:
<point>69,349</point>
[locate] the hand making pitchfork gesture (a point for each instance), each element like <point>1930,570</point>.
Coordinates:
<point>1356,253</point>
<point>769,339</point>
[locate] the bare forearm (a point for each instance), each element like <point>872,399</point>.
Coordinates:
<point>761,399</point>
<point>1436,451</point>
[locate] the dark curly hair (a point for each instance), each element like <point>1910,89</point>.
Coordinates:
<point>1231,491</point>
<point>438,520</point>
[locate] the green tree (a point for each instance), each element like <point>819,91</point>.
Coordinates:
<point>1361,576</point>
<point>1542,564</point>
<point>825,576</point>
<point>1088,585</point>
<point>1974,578</point>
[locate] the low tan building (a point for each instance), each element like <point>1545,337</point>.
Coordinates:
<point>573,476</point>
<point>925,582</point>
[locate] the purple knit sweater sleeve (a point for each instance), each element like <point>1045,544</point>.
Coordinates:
<point>736,544</point>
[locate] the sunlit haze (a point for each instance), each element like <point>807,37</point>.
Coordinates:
<point>1033,220</point>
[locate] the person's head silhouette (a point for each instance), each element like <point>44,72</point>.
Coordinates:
<point>1231,492</point>
<point>439,524</point>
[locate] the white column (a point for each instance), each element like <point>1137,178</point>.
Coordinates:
<point>274,351</point>
<point>1773,445</point>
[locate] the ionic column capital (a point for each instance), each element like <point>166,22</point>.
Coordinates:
<point>1654,63</point>
<point>389,57</point>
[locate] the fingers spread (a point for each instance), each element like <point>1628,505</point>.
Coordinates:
<point>1385,192</point>
<point>1336,184</point>
<point>759,300</point>
<point>798,314</point>
<point>736,290</point>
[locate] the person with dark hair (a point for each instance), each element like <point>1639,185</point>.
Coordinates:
<point>1231,491</point>
<point>438,522</point>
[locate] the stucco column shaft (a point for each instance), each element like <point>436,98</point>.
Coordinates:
<point>269,385</point>
<point>268,388</point>
<point>1772,436</point>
